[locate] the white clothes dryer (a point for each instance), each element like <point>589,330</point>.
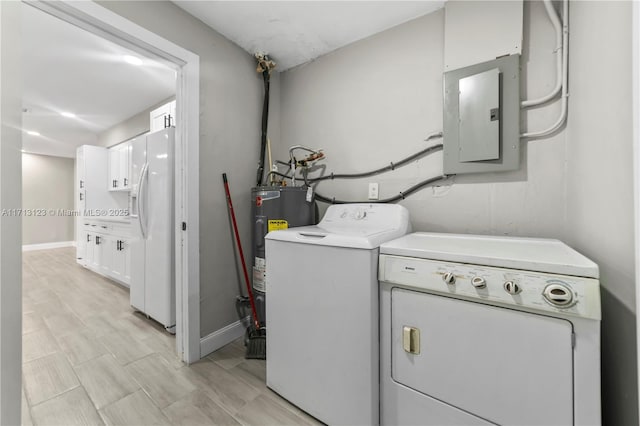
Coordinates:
<point>488,330</point>
<point>322,315</point>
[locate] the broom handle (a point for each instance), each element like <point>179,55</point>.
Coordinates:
<point>244,265</point>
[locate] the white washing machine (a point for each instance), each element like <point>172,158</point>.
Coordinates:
<point>482,330</point>
<point>322,311</point>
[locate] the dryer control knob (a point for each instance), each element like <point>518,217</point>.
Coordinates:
<point>512,288</point>
<point>559,295</point>
<point>449,278</point>
<point>478,282</point>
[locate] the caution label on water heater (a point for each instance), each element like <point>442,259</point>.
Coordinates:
<point>259,274</point>
<point>277,225</point>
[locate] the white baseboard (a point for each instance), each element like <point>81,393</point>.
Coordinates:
<point>222,337</point>
<point>46,246</point>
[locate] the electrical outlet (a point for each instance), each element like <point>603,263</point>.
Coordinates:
<point>373,191</point>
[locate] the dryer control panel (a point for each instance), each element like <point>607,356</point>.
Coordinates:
<point>528,290</point>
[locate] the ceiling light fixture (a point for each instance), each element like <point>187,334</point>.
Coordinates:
<point>68,114</point>
<point>33,133</point>
<point>132,60</point>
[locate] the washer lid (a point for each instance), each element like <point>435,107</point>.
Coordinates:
<point>363,226</point>
<point>530,254</point>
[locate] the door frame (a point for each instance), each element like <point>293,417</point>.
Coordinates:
<point>111,26</point>
<point>635,90</point>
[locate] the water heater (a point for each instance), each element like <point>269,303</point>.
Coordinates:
<point>275,208</point>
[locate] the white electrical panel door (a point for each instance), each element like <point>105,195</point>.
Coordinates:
<point>501,365</point>
<point>479,116</point>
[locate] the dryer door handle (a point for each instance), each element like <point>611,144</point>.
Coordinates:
<point>411,340</point>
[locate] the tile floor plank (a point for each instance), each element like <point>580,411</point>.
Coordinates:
<point>262,411</point>
<point>135,409</point>
<point>198,409</point>
<point>229,356</point>
<point>182,413</point>
<point>63,323</point>
<point>47,377</point>
<point>26,411</point>
<point>80,347</point>
<point>223,387</point>
<point>31,321</point>
<point>99,325</point>
<point>38,344</point>
<point>105,380</point>
<point>201,402</point>
<point>70,409</point>
<point>125,348</point>
<point>159,380</point>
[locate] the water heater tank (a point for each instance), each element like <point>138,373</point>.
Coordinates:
<point>275,208</point>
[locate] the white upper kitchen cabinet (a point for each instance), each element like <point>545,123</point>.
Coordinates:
<point>91,184</point>
<point>163,117</point>
<point>120,167</point>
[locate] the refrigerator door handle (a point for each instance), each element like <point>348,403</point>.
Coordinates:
<point>139,200</point>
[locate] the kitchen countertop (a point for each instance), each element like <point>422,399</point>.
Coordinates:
<point>112,219</point>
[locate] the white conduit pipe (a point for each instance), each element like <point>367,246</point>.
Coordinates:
<point>565,78</point>
<point>557,25</point>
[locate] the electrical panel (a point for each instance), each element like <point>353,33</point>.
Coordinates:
<point>482,117</point>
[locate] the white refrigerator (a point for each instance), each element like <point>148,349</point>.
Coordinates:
<point>151,208</point>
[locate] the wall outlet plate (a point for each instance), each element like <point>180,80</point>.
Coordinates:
<point>373,191</point>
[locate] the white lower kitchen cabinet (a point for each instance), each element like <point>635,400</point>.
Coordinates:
<point>121,260</point>
<point>106,249</point>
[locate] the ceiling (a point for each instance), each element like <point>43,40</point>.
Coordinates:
<point>295,32</point>
<point>67,69</point>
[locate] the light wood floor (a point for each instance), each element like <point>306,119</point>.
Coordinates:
<point>89,359</point>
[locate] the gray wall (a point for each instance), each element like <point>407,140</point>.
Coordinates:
<point>600,207</point>
<point>374,101</point>
<point>230,108</point>
<point>130,128</point>
<point>47,183</point>
<point>10,198</point>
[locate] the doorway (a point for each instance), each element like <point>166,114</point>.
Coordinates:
<point>103,23</point>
